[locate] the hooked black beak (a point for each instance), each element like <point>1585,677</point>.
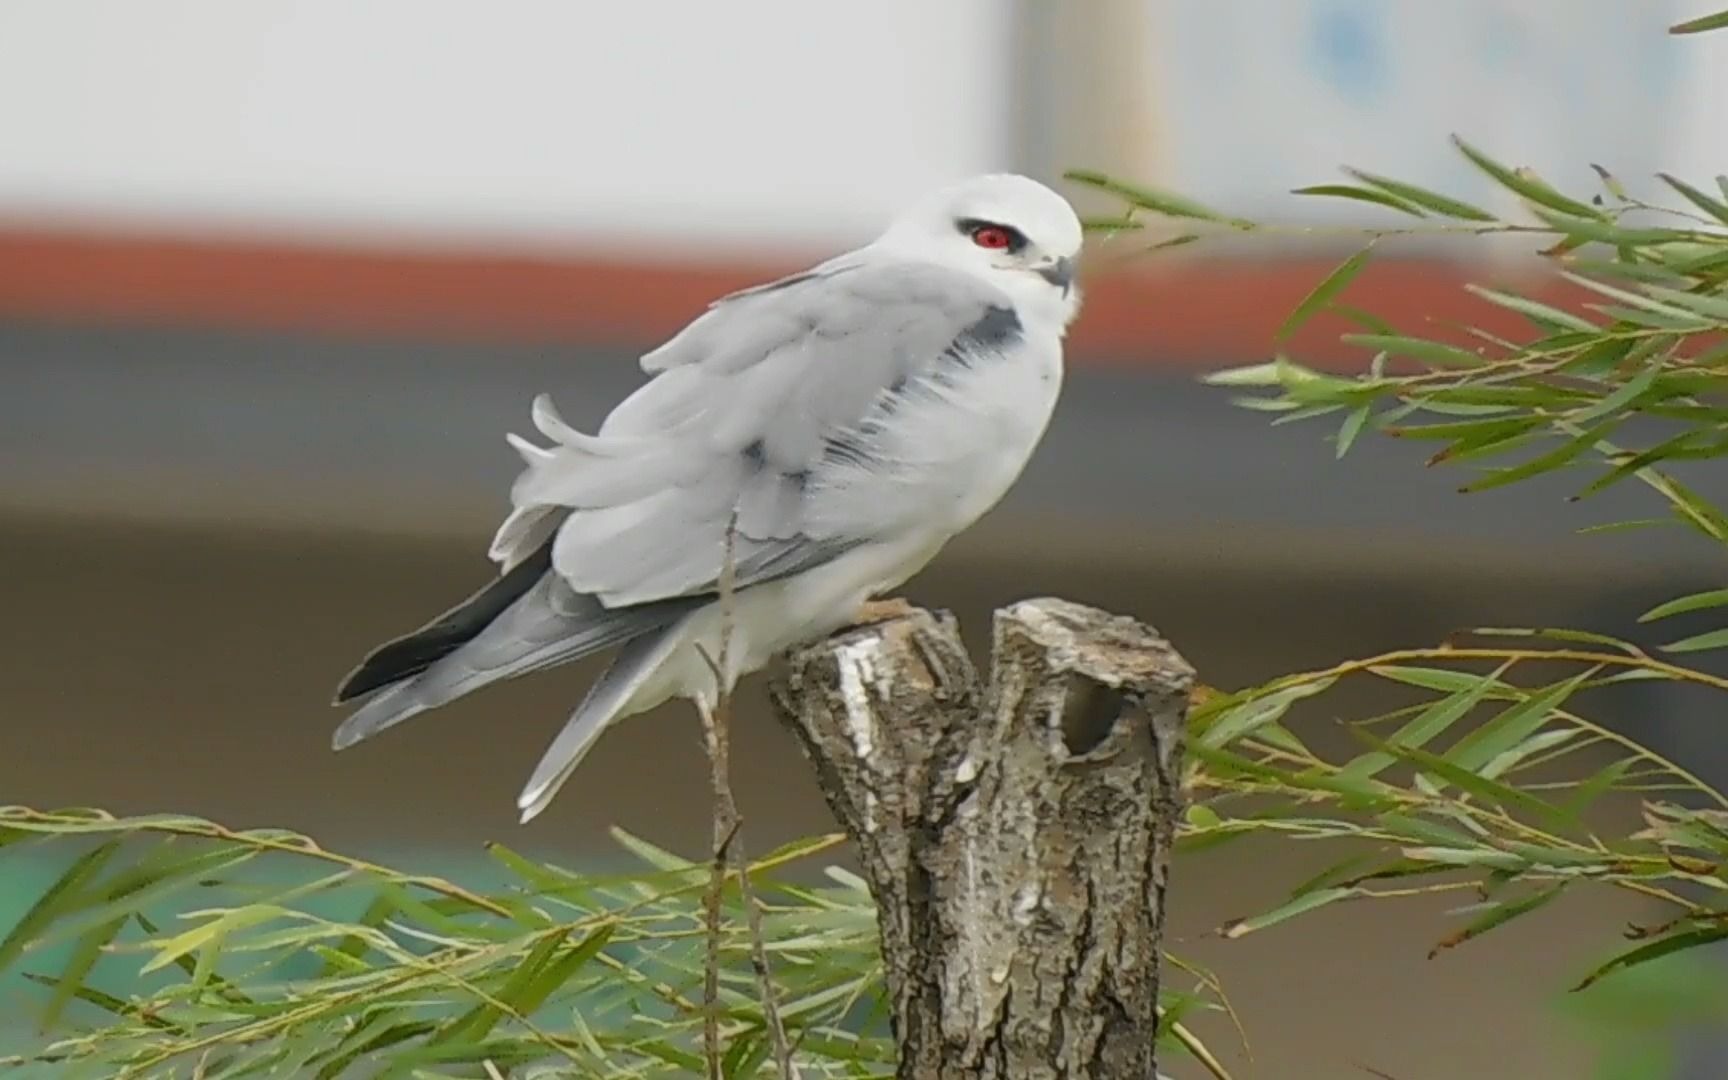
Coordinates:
<point>1059,273</point>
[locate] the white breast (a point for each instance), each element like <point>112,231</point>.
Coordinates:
<point>999,411</point>
<point>948,450</point>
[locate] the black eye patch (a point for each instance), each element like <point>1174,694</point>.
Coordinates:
<point>969,227</point>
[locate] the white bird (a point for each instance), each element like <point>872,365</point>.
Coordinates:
<point>827,433</point>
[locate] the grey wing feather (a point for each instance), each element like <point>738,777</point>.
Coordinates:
<point>750,409</point>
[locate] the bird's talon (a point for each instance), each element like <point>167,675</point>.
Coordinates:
<point>872,612</point>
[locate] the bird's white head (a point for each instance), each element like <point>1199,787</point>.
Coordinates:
<point>1011,230</point>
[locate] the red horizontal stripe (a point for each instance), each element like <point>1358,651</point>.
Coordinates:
<point>1195,312</point>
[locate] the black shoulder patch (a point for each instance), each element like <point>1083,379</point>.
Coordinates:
<point>994,331</point>
<point>996,328</point>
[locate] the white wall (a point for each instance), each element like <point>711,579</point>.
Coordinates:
<point>539,121</point>
<point>679,125</point>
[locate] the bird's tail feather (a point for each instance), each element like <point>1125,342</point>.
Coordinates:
<point>547,625</point>
<point>409,655</point>
<point>614,690</point>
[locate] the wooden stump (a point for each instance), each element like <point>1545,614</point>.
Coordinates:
<point>1016,833</point>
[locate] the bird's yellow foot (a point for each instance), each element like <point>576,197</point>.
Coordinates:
<point>881,611</point>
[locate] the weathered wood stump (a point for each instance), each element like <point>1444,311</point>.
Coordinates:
<point>1016,833</point>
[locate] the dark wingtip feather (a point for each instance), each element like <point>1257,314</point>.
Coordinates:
<point>411,654</point>
<point>396,660</point>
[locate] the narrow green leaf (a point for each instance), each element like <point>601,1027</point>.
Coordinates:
<point>1422,728</point>
<point>1527,185</point>
<point>1715,639</point>
<point>1465,780</point>
<point>1429,200</point>
<point>354,946</point>
<point>1495,446</point>
<point>564,968</point>
<point>152,878</point>
<point>1695,260</point>
<point>84,956</point>
<point>1433,352</point>
<point>1441,679</point>
<point>1367,791</point>
<point>1695,602</point>
<point>1423,831</point>
<point>56,899</point>
<point>1690,939</point>
<point>1272,405</point>
<point>1540,313</point>
<point>658,857</point>
<point>1351,427</point>
<point>1598,784</point>
<point>229,992</point>
<point>1513,725</point>
<point>1536,744</point>
<point>1309,412</point>
<point>1625,526</point>
<point>1174,241</point>
<point>1266,374</point>
<point>1693,509</point>
<point>477,1022</point>
<point>106,1002</point>
<point>1527,396</point>
<point>1701,24</point>
<point>1639,272</point>
<point>1586,230</point>
<point>537,876</point>
<point>1587,637</point>
<point>1367,195</point>
<point>1498,915</point>
<point>1626,465</point>
<point>1369,321</point>
<point>1713,308</point>
<point>1442,404</point>
<point>1480,858</point>
<point>1653,320</point>
<point>1715,207</point>
<point>1162,202</point>
<point>746,1054</point>
<point>1300,905</point>
<point>1110,225</point>
<point>369,1038</point>
<point>1625,296</point>
<point>1470,430</point>
<point>213,930</point>
<point>1331,285</point>
<point>1553,459</point>
<point>1252,715</point>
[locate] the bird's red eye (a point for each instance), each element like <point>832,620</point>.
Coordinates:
<point>993,237</point>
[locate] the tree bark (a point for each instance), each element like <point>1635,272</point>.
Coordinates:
<point>1016,833</point>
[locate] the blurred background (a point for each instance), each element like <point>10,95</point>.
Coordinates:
<point>276,278</point>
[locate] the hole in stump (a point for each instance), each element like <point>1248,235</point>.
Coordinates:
<point>1089,714</point>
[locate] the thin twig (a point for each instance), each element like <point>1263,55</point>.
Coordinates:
<point>728,845</point>
<point>711,914</point>
<point>764,974</point>
<point>717,735</point>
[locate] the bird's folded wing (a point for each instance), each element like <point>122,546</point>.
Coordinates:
<point>783,404</point>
